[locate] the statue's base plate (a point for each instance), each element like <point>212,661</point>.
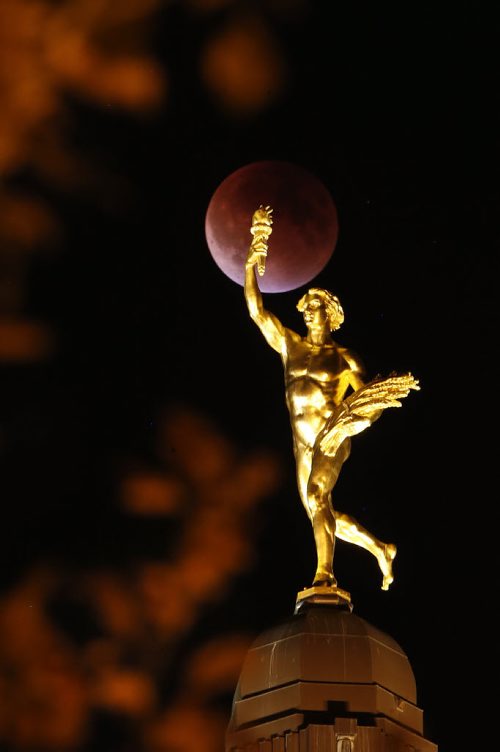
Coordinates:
<point>323,595</point>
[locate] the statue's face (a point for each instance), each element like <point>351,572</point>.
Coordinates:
<point>314,311</point>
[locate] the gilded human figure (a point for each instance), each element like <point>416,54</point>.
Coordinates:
<point>328,401</point>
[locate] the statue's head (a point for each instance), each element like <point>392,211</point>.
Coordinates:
<point>333,309</point>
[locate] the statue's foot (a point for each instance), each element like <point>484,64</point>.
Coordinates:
<point>388,553</point>
<point>324,579</point>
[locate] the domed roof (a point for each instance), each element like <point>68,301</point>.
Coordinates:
<point>325,644</point>
<point>324,677</point>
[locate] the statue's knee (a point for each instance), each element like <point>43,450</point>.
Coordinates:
<point>314,494</point>
<point>318,499</point>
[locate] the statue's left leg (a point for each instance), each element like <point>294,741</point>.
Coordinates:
<point>348,529</point>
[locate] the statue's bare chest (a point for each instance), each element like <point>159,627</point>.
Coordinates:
<point>320,363</point>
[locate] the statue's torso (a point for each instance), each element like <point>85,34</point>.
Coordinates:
<point>316,380</point>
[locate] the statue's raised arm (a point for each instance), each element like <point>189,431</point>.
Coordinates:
<point>270,326</point>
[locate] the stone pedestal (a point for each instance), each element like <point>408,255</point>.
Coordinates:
<point>323,681</point>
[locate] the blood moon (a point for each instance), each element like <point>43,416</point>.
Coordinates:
<point>305,225</point>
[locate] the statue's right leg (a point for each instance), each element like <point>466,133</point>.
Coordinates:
<point>303,458</point>
<point>316,502</point>
<point>324,473</point>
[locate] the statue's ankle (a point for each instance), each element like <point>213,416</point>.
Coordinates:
<point>324,579</point>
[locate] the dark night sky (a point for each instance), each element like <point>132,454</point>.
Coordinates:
<point>393,109</point>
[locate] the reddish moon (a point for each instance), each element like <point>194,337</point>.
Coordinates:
<point>305,225</point>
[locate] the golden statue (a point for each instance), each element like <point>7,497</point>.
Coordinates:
<point>328,401</point>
